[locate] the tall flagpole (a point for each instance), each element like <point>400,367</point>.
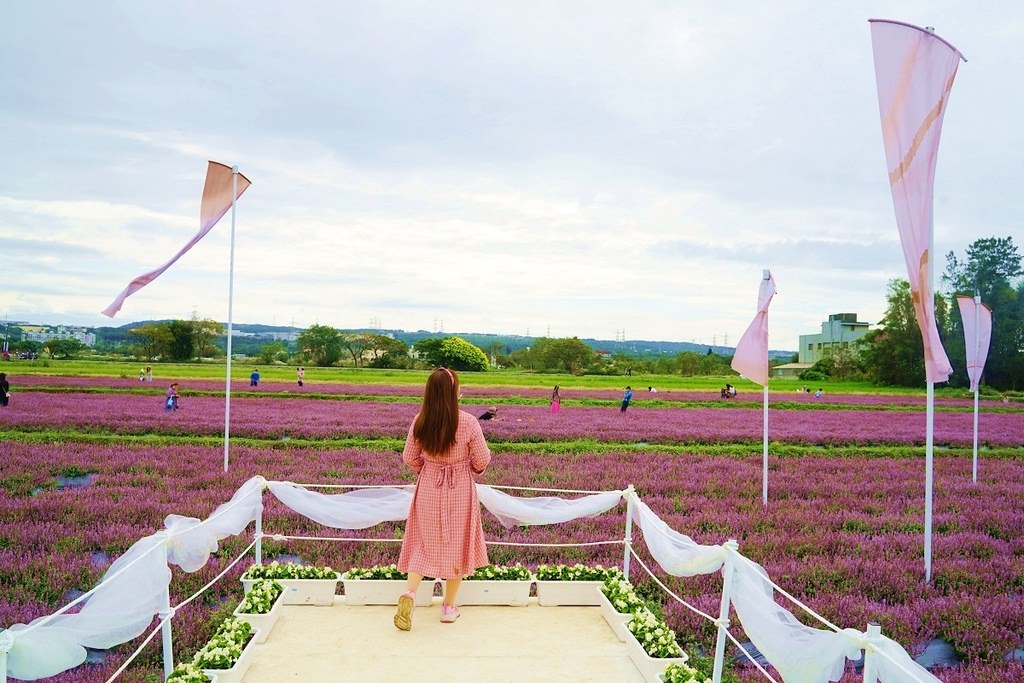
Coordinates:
<point>977,385</point>
<point>929,421</point>
<point>231,294</point>
<point>764,457</point>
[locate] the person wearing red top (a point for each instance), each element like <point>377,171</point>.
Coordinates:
<point>444,537</point>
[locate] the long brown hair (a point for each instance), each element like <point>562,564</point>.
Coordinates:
<point>439,415</point>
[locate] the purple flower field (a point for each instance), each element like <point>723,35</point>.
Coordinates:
<point>843,534</point>
<point>267,418</point>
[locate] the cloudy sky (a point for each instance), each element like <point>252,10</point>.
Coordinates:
<point>599,169</point>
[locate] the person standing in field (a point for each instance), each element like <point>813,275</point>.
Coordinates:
<point>149,373</point>
<point>444,537</point>
<point>300,376</point>
<point>556,400</point>
<point>171,403</point>
<point>5,390</point>
<point>626,398</point>
<point>254,378</point>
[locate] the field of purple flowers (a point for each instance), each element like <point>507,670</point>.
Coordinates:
<point>843,534</point>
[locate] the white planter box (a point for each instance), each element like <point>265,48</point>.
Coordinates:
<point>384,591</point>
<point>235,673</point>
<point>262,624</point>
<point>554,593</point>
<point>514,593</point>
<point>616,620</point>
<point>651,668</point>
<point>304,591</point>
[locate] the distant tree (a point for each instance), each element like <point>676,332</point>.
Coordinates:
<point>204,331</point>
<point>391,353</point>
<point>451,352</point>
<point>988,269</point>
<point>564,354</point>
<point>151,341</point>
<point>273,352</point>
<point>429,350</point>
<point>182,346</point>
<point>688,363</point>
<point>387,352</point>
<point>63,348</point>
<point>356,344</point>
<point>320,345</point>
<point>894,353</point>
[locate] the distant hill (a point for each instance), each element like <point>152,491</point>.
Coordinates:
<point>256,334</point>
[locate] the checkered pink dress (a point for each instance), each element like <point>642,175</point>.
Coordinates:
<point>443,536</point>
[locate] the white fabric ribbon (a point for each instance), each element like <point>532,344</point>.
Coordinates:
<point>120,608</point>
<point>512,511</point>
<point>677,554</point>
<point>191,541</point>
<point>357,509</point>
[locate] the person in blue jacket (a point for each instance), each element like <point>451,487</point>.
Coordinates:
<point>626,398</point>
<point>254,378</point>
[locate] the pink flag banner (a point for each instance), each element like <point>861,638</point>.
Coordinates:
<point>914,71</point>
<point>751,357</point>
<point>217,200</point>
<point>977,336</point>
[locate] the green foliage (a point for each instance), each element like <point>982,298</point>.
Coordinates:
<point>320,345</point>
<point>989,268</point>
<point>894,354</point>
<point>451,352</point>
<point>273,352</point>
<point>182,343</point>
<point>151,341</point>
<point>63,348</point>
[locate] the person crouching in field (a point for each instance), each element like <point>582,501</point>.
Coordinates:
<point>444,536</point>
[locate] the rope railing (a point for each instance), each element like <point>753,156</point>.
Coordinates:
<point>188,542</point>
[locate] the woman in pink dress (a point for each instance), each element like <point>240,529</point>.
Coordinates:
<point>443,535</point>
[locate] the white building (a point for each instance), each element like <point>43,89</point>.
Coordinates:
<point>839,331</point>
<point>61,332</point>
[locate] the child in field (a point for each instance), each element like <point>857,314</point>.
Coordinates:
<point>443,535</point>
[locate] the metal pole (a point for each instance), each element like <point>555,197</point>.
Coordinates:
<point>872,636</point>
<point>929,438</point>
<point>977,354</point>
<point>764,455</point>
<point>728,569</point>
<point>628,539</point>
<point>231,294</point>
<point>166,613</point>
<point>928,475</point>
<point>259,536</point>
<point>6,643</point>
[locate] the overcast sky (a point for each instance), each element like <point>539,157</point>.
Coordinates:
<point>597,169</point>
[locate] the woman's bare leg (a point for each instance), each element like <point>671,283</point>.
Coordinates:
<point>451,589</point>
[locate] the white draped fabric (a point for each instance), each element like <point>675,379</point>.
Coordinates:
<point>132,591</point>
<point>677,554</point>
<point>357,509</point>
<point>192,541</point>
<point>512,511</point>
<point>800,653</point>
<point>120,608</point>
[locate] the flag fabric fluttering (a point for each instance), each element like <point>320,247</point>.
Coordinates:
<point>914,71</point>
<point>977,319</point>
<point>217,201</point>
<point>751,356</point>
